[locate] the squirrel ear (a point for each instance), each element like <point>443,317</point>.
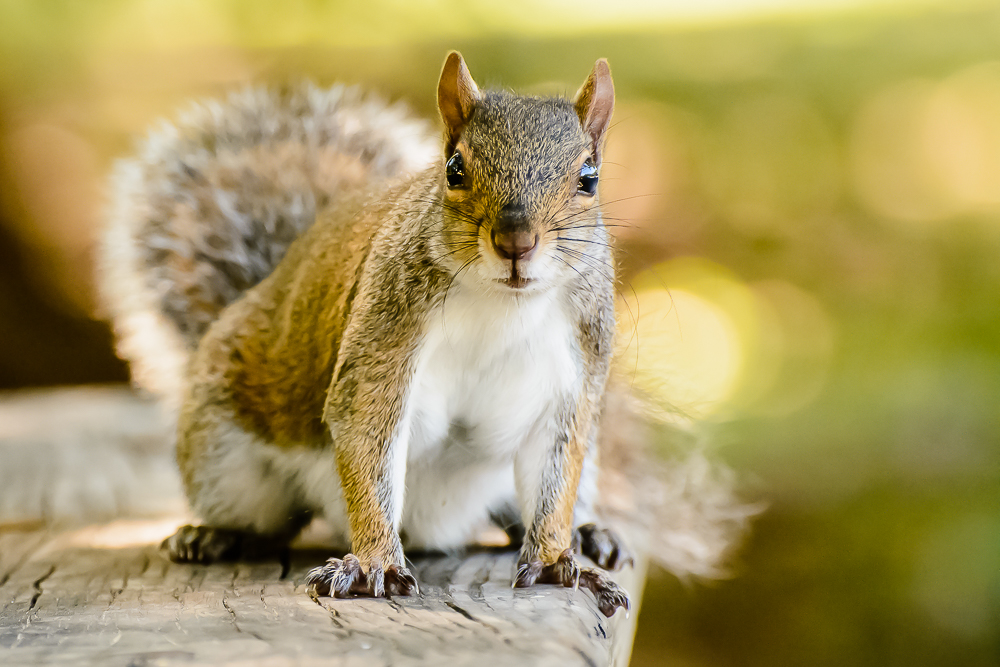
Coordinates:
<point>457,96</point>
<point>595,101</point>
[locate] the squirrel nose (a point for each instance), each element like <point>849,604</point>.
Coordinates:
<point>515,245</point>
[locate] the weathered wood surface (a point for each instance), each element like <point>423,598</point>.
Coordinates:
<point>76,598</point>
<point>105,595</point>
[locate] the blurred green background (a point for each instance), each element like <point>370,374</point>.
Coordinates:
<point>811,261</point>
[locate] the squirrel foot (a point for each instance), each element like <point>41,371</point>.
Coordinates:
<point>610,596</point>
<point>603,546</point>
<point>203,544</point>
<point>345,577</point>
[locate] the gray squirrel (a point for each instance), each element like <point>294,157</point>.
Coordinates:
<point>351,321</point>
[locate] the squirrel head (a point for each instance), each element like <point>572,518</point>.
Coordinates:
<point>518,181</point>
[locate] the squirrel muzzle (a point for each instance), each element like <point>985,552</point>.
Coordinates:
<point>514,240</point>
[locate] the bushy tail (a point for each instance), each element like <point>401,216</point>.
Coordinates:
<point>210,204</point>
<point>683,501</point>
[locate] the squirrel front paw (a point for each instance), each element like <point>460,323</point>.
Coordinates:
<point>345,577</point>
<point>610,596</point>
<point>603,546</point>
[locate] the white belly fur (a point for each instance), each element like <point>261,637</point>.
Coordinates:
<point>489,373</point>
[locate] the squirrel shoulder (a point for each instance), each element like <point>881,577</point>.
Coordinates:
<point>277,346</point>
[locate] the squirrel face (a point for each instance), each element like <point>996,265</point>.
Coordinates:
<point>519,182</point>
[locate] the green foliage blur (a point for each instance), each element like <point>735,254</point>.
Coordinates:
<point>826,185</point>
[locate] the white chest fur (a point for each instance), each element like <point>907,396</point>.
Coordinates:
<point>488,378</point>
<point>489,370</point>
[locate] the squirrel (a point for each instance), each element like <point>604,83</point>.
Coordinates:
<point>404,338</point>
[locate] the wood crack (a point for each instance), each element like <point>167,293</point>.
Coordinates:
<point>458,609</point>
<point>590,661</point>
<point>37,587</point>
<point>19,563</point>
<point>232,612</point>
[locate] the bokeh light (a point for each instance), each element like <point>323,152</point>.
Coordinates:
<point>677,342</point>
<point>926,151</point>
<point>698,341</point>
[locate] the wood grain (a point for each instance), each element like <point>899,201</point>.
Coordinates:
<point>105,595</point>
<point>67,603</point>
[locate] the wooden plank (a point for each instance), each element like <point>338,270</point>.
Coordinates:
<point>105,595</point>
<point>86,454</point>
<point>16,545</point>
<point>75,604</point>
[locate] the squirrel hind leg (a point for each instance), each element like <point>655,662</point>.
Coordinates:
<point>208,544</point>
<point>236,480</point>
<point>604,546</point>
<point>507,518</point>
<point>203,544</point>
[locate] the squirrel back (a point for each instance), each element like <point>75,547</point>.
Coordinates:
<point>209,206</point>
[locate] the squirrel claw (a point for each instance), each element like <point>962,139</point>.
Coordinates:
<point>603,546</point>
<point>336,577</point>
<point>343,578</point>
<point>399,581</point>
<point>610,596</point>
<point>564,571</point>
<point>527,574</point>
<point>202,544</point>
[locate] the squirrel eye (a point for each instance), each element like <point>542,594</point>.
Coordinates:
<point>588,179</point>
<point>455,171</point>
